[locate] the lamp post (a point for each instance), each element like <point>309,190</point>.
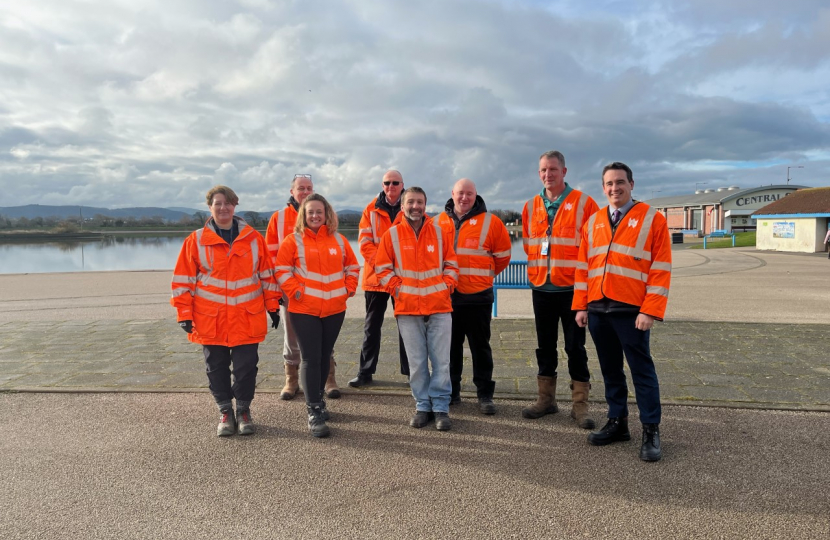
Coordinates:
<point>698,184</point>
<point>788,172</point>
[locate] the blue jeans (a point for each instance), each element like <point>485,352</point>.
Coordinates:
<point>427,338</point>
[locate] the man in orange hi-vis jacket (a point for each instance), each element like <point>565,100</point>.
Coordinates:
<point>551,225</point>
<point>622,287</point>
<point>417,265</point>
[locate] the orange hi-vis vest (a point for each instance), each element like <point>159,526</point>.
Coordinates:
<point>317,272</point>
<point>421,272</point>
<point>280,226</point>
<point>225,290</point>
<point>373,225</point>
<point>562,236</point>
<point>630,265</point>
<point>482,246</point>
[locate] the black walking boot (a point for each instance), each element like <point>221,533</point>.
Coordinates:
<point>316,424</point>
<point>616,429</point>
<point>651,451</point>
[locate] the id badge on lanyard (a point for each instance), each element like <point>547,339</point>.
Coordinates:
<point>545,245</point>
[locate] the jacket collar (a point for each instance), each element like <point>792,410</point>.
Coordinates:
<point>478,208</point>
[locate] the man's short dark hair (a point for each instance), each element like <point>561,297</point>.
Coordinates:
<point>554,154</point>
<point>618,166</point>
<point>414,189</point>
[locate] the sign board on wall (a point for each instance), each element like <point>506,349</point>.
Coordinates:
<point>783,229</point>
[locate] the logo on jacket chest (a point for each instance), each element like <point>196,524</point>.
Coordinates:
<point>632,222</point>
<point>332,251</point>
<point>473,221</point>
<point>568,206</point>
<point>430,248</point>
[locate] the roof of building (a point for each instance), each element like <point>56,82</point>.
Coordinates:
<point>712,196</point>
<point>803,201</point>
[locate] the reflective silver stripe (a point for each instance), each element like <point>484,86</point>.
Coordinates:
<point>267,286</point>
<point>265,274</point>
<point>526,241</point>
<point>281,226</point>
<point>284,268</point>
<point>537,263</point>
<point>424,291</point>
<point>597,250</point>
<point>440,237</point>
<point>273,247</point>
<point>229,285</point>
<point>582,265</point>
<point>645,229</point>
<point>325,295</point>
<point>178,291</point>
<point>580,286</point>
<point>204,260</point>
<point>476,272</point>
<point>501,254</point>
<point>298,241</point>
<point>229,300</point>
<point>595,273</point>
<point>285,277</point>
<point>330,278</point>
<point>484,230</point>
<point>396,246</point>
<point>426,274</point>
<point>591,221</point>
<point>626,272</point>
<point>365,231</point>
<point>559,241</point>
<point>365,240</point>
<point>254,257</point>
<point>183,279</point>
<point>386,279</point>
<point>580,211</point>
<point>630,251</point>
<point>382,267</point>
<point>472,252</point>
<point>353,270</point>
<point>660,291</point>
<point>373,220</point>
<point>564,263</point>
<point>533,241</point>
<point>661,266</point>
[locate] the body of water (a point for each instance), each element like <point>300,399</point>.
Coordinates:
<point>120,253</point>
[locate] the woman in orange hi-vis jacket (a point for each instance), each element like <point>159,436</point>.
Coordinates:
<point>222,286</point>
<point>317,271</point>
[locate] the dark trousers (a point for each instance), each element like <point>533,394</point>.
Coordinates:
<point>218,360</point>
<point>375,309</point>
<point>549,309</point>
<point>473,322</point>
<point>316,336</point>
<point>615,335</point>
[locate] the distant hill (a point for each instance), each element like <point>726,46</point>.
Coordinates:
<point>31,211</point>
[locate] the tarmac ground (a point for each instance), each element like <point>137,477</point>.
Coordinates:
<point>110,433</point>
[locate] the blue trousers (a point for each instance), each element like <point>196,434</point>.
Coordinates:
<point>615,335</point>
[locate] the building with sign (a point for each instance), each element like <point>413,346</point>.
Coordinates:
<point>798,222</point>
<point>723,208</point>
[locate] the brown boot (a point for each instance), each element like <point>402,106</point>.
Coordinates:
<point>331,389</point>
<point>579,412</point>
<point>292,382</point>
<point>546,402</point>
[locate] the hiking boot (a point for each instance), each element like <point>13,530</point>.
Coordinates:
<point>579,411</point>
<point>316,423</point>
<point>486,405</point>
<point>615,430</point>
<point>420,419</point>
<point>331,389</point>
<point>651,450</point>
<point>227,423</point>
<point>244,423</point>
<point>442,421</point>
<point>292,382</point>
<point>546,402</point>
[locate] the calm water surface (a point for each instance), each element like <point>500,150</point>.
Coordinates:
<point>119,253</point>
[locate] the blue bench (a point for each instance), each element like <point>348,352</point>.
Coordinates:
<point>720,233</point>
<point>513,277</point>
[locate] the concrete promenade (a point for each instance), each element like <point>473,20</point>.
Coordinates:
<point>109,430</point>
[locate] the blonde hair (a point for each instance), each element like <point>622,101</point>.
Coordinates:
<point>331,215</point>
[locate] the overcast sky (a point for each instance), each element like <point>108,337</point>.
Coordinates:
<point>145,103</point>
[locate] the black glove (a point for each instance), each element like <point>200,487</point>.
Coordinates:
<point>187,326</point>
<point>275,318</point>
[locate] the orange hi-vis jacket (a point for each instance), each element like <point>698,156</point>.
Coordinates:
<point>630,265</point>
<point>482,246</point>
<point>225,290</point>
<point>280,226</point>
<point>373,225</point>
<point>563,237</point>
<point>317,272</point>
<point>421,272</point>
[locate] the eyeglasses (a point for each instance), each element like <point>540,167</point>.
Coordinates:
<point>392,183</point>
<point>303,176</point>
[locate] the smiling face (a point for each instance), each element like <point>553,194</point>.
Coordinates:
<point>301,188</point>
<point>552,174</point>
<point>392,186</point>
<point>315,215</point>
<point>221,211</point>
<point>463,196</point>
<point>617,187</point>
<point>414,206</point>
